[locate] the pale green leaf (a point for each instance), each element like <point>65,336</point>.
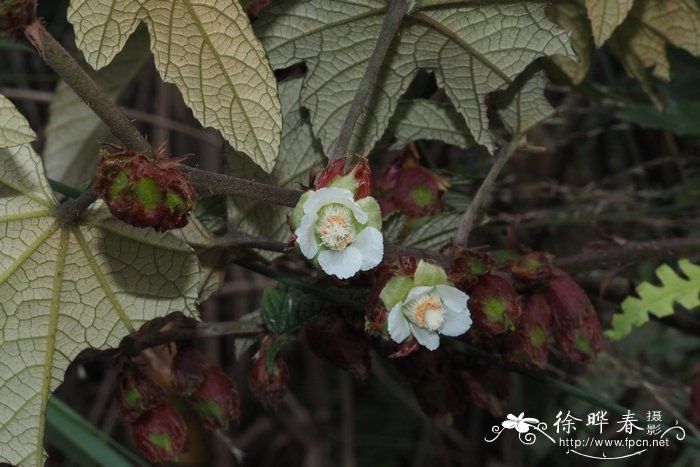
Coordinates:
<point>573,17</point>
<point>67,288</point>
<point>658,300</point>
<point>473,49</point>
<point>427,119</point>
<point>14,128</point>
<point>605,16</point>
<point>213,259</point>
<point>207,48</point>
<point>74,132</point>
<point>527,106</point>
<point>298,155</point>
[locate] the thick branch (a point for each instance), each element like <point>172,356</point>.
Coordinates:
<point>75,76</point>
<point>395,12</point>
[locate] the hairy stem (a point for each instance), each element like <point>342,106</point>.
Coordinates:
<point>500,160</point>
<point>395,12</point>
<point>75,76</point>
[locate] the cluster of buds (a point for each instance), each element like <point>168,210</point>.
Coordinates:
<point>158,429</point>
<point>144,192</point>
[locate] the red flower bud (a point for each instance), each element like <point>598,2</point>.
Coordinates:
<point>161,434</point>
<point>494,305</point>
<point>330,337</point>
<point>577,329</point>
<point>15,15</point>
<point>358,177</point>
<point>469,266</point>
<point>189,369</point>
<point>532,268</point>
<point>216,399</point>
<point>136,393</point>
<point>529,344</point>
<point>268,382</point>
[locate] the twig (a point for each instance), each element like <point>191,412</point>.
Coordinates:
<point>395,12</point>
<point>73,74</point>
<point>70,212</point>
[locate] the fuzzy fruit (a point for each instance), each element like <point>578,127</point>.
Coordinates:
<point>469,266</point>
<point>576,327</point>
<point>529,344</point>
<point>161,434</point>
<point>15,15</point>
<point>144,193</point>
<point>494,305</point>
<point>216,400</point>
<point>136,393</point>
<point>532,268</point>
<point>189,370</point>
<point>268,380</point>
<point>330,337</point>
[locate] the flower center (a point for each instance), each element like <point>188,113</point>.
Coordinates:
<point>427,312</point>
<point>336,229</point>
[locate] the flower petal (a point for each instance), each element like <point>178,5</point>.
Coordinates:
<point>324,196</point>
<point>398,324</point>
<point>508,424</point>
<point>417,292</point>
<point>371,244</point>
<point>453,298</point>
<point>306,239</point>
<point>429,339</point>
<point>342,264</point>
<point>455,324</point>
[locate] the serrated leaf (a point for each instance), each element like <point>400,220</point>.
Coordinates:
<point>208,50</point>
<point>427,119</point>
<point>213,259</point>
<point>573,17</point>
<point>14,128</point>
<point>473,49</point>
<point>298,155</point>
<point>640,41</point>
<point>66,288</point>
<point>434,233</point>
<point>605,16</point>
<point>658,300</point>
<point>524,106</point>
<point>285,310</point>
<point>74,132</point>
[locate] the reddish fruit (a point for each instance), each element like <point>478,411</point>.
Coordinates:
<point>161,434</point>
<point>577,329</point>
<point>529,344</point>
<point>494,305</point>
<point>15,15</point>
<point>358,177</point>
<point>469,266</point>
<point>136,393</point>
<point>532,268</point>
<point>268,381</point>
<point>330,337</point>
<point>144,193</point>
<point>189,369</point>
<point>216,399</point>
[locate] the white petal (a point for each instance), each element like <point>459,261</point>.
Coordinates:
<point>398,325</point>
<point>455,324</point>
<point>324,196</point>
<point>429,339</point>
<point>453,298</point>
<point>371,244</point>
<point>342,264</point>
<point>306,239</point>
<point>417,292</point>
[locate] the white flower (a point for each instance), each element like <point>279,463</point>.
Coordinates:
<point>342,235</point>
<point>425,307</point>
<point>520,423</point>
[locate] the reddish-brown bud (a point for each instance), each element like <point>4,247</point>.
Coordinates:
<point>268,380</point>
<point>494,305</point>
<point>15,15</point>
<point>189,369</point>
<point>357,179</point>
<point>161,434</point>
<point>529,344</point>
<point>532,268</point>
<point>577,329</point>
<point>330,337</point>
<point>136,393</point>
<point>144,193</point>
<point>469,266</point>
<point>216,399</point>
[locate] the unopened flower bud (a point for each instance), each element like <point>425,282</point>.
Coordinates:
<point>529,344</point>
<point>268,378</point>
<point>216,399</point>
<point>189,369</point>
<point>161,434</point>
<point>136,393</point>
<point>495,305</point>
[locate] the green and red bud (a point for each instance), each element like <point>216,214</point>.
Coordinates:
<point>189,368</point>
<point>136,393</point>
<point>529,345</point>
<point>331,338</point>
<point>268,376</point>
<point>469,266</point>
<point>216,400</point>
<point>161,434</point>
<point>357,179</point>
<point>494,305</point>
<point>532,268</point>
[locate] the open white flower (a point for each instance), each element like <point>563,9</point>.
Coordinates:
<point>425,306</point>
<point>339,233</point>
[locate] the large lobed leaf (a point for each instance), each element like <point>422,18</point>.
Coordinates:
<point>658,300</point>
<point>605,16</point>
<point>205,47</point>
<point>473,49</point>
<point>66,288</point>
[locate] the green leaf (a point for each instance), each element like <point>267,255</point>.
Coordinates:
<point>523,105</point>
<point>658,300</point>
<point>285,309</point>
<point>299,154</point>
<point>74,132</point>
<point>605,16</point>
<point>208,50</point>
<point>435,233</point>
<point>213,259</point>
<point>427,119</point>
<point>573,17</point>
<point>14,129</point>
<point>683,118</point>
<point>65,288</point>
<point>473,49</point>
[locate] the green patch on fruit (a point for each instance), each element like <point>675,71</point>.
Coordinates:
<point>582,344</point>
<point>532,264</point>
<point>121,181</point>
<point>538,338</point>
<point>495,307</point>
<point>211,409</point>
<point>174,201</point>
<point>132,397</point>
<point>422,196</point>
<point>162,441</point>
<point>478,266</point>
<point>148,193</point>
